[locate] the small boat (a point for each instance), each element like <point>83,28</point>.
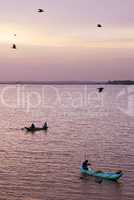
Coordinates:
<point>35,129</point>
<point>113,176</point>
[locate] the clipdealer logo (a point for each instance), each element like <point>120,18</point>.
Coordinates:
<point>24,98</point>
<point>49,97</point>
<point>126,95</point>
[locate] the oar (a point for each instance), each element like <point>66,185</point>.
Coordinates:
<point>25,128</point>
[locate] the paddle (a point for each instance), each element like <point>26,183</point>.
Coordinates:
<point>25,128</point>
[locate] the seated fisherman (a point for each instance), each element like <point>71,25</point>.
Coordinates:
<point>32,126</point>
<point>45,125</point>
<point>85,165</point>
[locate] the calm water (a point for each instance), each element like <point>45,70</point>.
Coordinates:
<point>82,124</point>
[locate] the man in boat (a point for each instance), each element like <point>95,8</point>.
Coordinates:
<point>32,126</point>
<point>45,126</point>
<point>85,165</point>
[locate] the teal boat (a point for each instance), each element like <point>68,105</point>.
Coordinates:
<point>113,176</point>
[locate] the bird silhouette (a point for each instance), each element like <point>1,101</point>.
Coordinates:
<point>99,25</point>
<point>100,89</point>
<point>40,10</point>
<point>14,46</point>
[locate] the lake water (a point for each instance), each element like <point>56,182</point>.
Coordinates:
<point>82,124</point>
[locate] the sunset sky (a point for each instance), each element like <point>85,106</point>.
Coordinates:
<point>64,42</point>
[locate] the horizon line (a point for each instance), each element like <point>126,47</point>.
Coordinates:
<point>68,82</point>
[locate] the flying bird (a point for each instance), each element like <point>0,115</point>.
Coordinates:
<point>40,10</point>
<point>99,25</point>
<point>14,46</point>
<point>100,89</point>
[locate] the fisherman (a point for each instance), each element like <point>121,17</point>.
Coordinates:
<point>32,126</point>
<point>45,126</point>
<point>85,165</point>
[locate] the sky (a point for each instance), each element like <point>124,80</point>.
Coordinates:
<point>64,43</point>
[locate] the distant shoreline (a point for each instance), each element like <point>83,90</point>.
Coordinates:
<point>117,82</point>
